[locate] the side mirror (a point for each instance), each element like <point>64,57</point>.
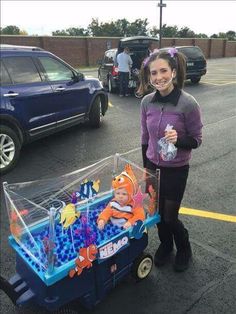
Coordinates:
<point>78,77</point>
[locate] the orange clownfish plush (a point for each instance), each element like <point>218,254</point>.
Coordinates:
<point>86,257</point>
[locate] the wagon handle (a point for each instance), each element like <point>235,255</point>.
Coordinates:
<point>8,289</point>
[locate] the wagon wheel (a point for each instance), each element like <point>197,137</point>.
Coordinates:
<point>142,266</point>
<point>65,310</point>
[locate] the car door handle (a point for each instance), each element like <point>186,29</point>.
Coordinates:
<point>59,89</point>
<point>11,95</point>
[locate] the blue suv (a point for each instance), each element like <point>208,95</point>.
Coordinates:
<point>40,95</point>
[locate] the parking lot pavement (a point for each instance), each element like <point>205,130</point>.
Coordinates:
<point>208,286</point>
<point>220,73</point>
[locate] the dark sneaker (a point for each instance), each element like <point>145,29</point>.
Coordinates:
<point>182,259</point>
<point>162,255</point>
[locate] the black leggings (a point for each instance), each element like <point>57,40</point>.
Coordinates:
<point>172,186</point>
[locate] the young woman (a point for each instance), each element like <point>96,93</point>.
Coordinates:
<point>169,105</point>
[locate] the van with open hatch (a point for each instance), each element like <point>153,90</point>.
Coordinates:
<point>108,69</point>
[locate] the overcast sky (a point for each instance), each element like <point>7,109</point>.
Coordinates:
<point>43,17</point>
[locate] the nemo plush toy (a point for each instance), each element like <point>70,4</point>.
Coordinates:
<point>86,257</point>
<point>121,210</point>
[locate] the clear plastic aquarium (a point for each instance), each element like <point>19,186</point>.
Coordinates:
<point>54,221</point>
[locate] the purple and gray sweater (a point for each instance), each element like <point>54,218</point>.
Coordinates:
<point>178,109</point>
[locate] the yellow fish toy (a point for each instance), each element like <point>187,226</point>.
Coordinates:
<point>69,215</point>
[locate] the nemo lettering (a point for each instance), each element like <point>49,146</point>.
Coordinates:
<point>112,247</point>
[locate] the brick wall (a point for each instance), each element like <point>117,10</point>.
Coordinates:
<point>230,50</point>
<point>86,51</point>
<point>75,52</point>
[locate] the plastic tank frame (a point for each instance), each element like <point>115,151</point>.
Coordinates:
<point>50,243</point>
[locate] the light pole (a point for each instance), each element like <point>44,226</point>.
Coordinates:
<point>161,5</point>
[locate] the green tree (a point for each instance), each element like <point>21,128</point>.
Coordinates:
<point>214,36</point>
<point>94,28</point>
<point>173,31</point>
<point>109,30</point>
<point>60,33</point>
<point>154,31</point>
<point>112,29</point>
<point>138,28</point>
<point>169,31</point>
<point>201,35</point>
<point>10,30</point>
<point>75,31</point>
<point>186,32</point>
<point>231,35</point>
<point>122,26</point>
<point>72,31</point>
<point>222,35</point>
<point>119,28</point>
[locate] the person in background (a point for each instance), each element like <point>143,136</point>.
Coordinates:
<point>124,62</point>
<point>151,48</point>
<point>169,105</point>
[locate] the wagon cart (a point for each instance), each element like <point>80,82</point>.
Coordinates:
<point>61,255</point>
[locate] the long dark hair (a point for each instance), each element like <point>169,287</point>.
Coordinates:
<point>175,59</point>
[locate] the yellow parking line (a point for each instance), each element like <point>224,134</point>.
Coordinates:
<point>110,104</point>
<point>206,214</point>
<point>218,84</point>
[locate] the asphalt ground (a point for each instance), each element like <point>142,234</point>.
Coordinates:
<point>208,211</point>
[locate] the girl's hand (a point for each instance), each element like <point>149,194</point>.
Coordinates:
<point>171,136</point>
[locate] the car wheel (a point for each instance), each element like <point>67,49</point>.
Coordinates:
<point>142,267</point>
<point>9,149</point>
<point>95,114</point>
<point>195,80</point>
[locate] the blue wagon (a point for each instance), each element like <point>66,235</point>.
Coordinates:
<point>61,254</point>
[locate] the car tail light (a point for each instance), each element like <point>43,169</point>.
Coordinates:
<point>114,71</point>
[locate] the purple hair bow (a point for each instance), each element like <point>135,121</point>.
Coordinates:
<point>145,61</point>
<point>172,52</point>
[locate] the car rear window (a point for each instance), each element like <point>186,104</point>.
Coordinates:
<point>4,76</point>
<point>22,70</point>
<point>109,56</point>
<point>191,52</point>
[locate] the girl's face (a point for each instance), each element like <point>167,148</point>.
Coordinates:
<point>161,76</point>
<point>121,196</point>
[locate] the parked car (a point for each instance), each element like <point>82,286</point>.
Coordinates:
<point>42,94</point>
<point>196,65</point>
<point>108,70</point>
